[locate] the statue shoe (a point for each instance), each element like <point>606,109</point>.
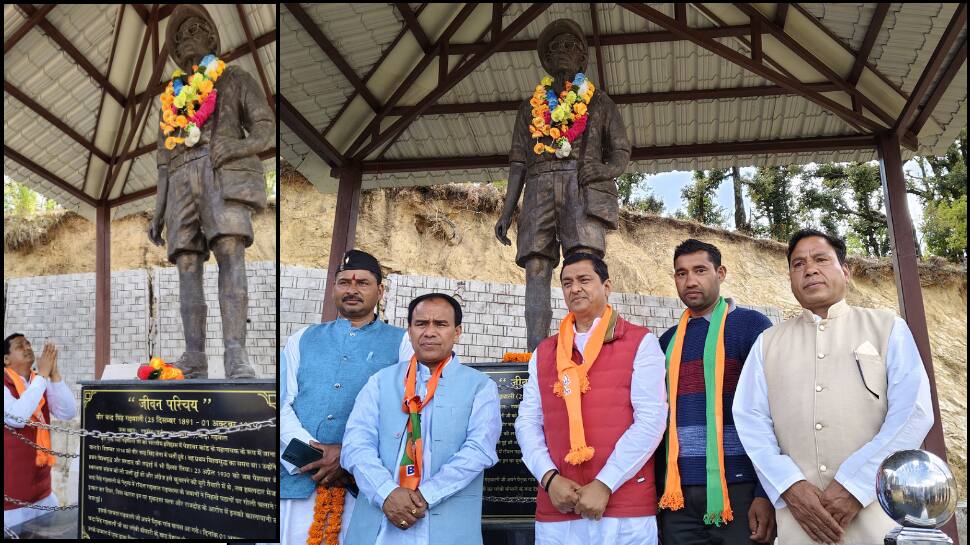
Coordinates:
<point>193,365</point>
<point>237,364</point>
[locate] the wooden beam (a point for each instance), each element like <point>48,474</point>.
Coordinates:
<point>414,26</point>
<point>781,14</point>
<point>944,82</point>
<point>344,230</point>
<point>729,54</point>
<point>373,128</point>
<point>97,118</point>
<point>102,289</point>
<point>742,39</point>
<point>13,91</point>
<point>292,118</point>
<point>26,27</point>
<point>600,69</point>
<point>49,176</point>
<point>953,29</point>
<point>143,12</point>
<point>132,197</point>
<point>73,52</point>
<point>862,57</point>
<point>802,52</point>
<point>631,38</point>
<point>626,99</point>
<point>680,12</point>
<point>906,269</point>
<point>679,151</point>
<point>395,130</point>
<point>757,53</point>
<point>497,13</point>
<point>332,53</point>
<point>255,54</point>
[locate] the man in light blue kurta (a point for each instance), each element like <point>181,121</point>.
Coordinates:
<point>324,366</point>
<point>459,428</point>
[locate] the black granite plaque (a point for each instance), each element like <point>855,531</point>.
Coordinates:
<point>510,490</point>
<point>220,487</point>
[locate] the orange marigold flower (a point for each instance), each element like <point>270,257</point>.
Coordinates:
<point>550,149</point>
<point>579,108</point>
<point>554,133</point>
<point>166,129</point>
<point>170,143</point>
<point>182,121</point>
<point>534,102</point>
<point>206,87</point>
<point>538,148</point>
<point>168,116</point>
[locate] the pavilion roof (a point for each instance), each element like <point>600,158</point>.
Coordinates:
<point>71,101</point>
<point>698,86</point>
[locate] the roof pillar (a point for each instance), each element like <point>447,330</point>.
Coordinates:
<point>904,251</point>
<point>344,229</point>
<point>102,289</point>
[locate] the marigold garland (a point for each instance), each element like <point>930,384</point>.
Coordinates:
<point>561,118</point>
<point>158,369</point>
<point>517,357</point>
<point>327,511</point>
<point>188,101</point>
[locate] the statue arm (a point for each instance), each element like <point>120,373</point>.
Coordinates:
<point>517,170</point>
<point>258,119</point>
<point>161,189</point>
<point>617,155</point>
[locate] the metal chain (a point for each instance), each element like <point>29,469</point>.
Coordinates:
<point>182,434</point>
<point>29,505</point>
<point>38,447</point>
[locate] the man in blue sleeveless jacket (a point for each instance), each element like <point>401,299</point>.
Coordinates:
<point>420,463</point>
<point>324,366</point>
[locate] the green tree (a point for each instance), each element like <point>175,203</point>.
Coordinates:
<point>18,199</point>
<point>774,201</point>
<point>848,195</point>
<point>700,198</point>
<point>942,189</point>
<point>945,229</point>
<point>633,193</point>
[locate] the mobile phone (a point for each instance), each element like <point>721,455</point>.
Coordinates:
<point>300,454</point>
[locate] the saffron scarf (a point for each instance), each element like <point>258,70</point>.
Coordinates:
<point>718,505</point>
<point>43,434</point>
<point>574,381</point>
<point>409,470</point>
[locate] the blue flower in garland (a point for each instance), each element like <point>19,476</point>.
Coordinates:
<point>552,99</point>
<point>579,79</point>
<point>177,86</point>
<point>206,60</point>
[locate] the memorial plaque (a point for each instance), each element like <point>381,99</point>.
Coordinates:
<point>510,490</point>
<point>219,487</point>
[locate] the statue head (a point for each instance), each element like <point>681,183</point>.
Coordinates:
<point>191,35</point>
<point>562,48</point>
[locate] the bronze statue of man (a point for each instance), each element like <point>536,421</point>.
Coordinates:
<point>207,193</point>
<point>569,201</point>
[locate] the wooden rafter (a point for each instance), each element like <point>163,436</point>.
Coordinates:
<point>742,39</point>
<point>332,53</point>
<point>73,52</point>
<point>626,98</point>
<point>144,12</point>
<point>59,182</point>
<point>781,15</point>
<point>630,38</point>
<point>374,125</point>
<point>754,147</point>
<point>729,54</point>
<point>411,21</point>
<point>597,44</point>
<point>292,118</point>
<point>26,27</point>
<point>802,52</point>
<point>944,82</point>
<point>862,56</point>
<point>367,77</point>
<point>253,51</point>
<point>53,119</point>
<point>391,133</point>
<point>104,94</point>
<point>953,29</point>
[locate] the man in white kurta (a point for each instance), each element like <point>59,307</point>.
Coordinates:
<point>586,289</point>
<point>824,398</point>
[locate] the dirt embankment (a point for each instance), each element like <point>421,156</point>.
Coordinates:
<point>448,231</point>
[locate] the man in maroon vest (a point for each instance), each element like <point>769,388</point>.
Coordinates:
<point>29,396</point>
<point>592,414</point>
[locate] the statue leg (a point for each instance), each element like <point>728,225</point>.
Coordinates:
<point>193,361</point>
<point>230,252</point>
<point>538,303</point>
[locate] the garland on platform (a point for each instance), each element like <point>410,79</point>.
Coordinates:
<point>188,101</point>
<point>325,528</point>
<point>157,369</point>
<point>561,118</point>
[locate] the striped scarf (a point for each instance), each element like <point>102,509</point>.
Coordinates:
<point>718,505</point>
<point>410,467</point>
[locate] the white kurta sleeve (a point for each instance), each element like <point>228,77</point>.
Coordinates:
<point>908,419</point>
<point>26,404</point>
<point>61,400</point>
<point>529,426</point>
<point>359,454</point>
<point>476,454</point>
<point>648,395</point>
<point>752,418</point>
<point>405,351</point>
<point>290,426</point>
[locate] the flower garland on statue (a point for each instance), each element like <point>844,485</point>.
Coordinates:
<point>561,118</point>
<point>327,510</point>
<point>188,101</point>
<point>158,369</point>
